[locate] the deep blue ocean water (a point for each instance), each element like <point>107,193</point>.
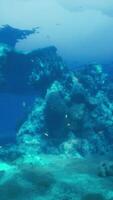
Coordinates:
<point>14,109</point>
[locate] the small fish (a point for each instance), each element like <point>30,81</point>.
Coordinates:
<point>58,24</point>
<point>46,134</point>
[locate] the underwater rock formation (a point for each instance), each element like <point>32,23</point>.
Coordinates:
<point>3,52</point>
<point>70,123</point>
<point>106,169</point>
<point>10,35</point>
<point>36,70</point>
<point>48,66</point>
<point>70,104</point>
<point>78,106</point>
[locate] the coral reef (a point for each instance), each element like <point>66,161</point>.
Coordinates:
<point>48,66</point>
<point>78,105</point>
<point>63,142</point>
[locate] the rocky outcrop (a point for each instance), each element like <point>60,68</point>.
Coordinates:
<point>76,107</point>
<point>29,72</point>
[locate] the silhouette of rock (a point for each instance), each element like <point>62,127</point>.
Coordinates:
<point>10,35</point>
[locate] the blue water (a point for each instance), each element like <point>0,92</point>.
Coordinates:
<point>56,125</point>
<point>13,113</point>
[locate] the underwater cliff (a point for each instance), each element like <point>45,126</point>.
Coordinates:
<point>63,145</point>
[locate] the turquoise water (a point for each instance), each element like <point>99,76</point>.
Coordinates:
<point>56,115</point>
